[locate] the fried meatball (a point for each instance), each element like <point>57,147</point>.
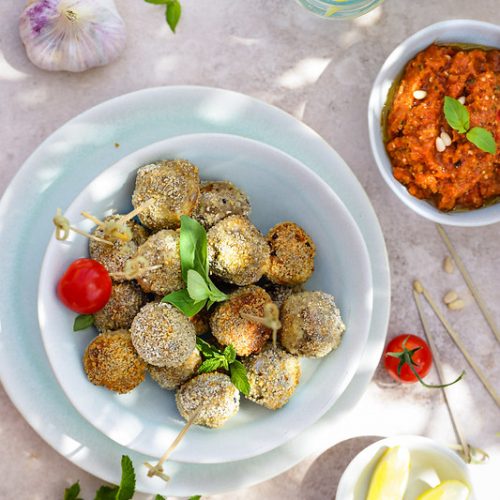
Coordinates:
<point>237,251</point>
<point>162,335</point>
<point>110,360</point>
<point>228,327</point>
<point>292,254</point>
<point>201,322</point>
<point>311,324</point>
<point>125,302</point>
<point>273,375</point>
<point>218,397</point>
<point>218,200</point>
<point>161,248</point>
<point>174,376</point>
<point>279,293</point>
<point>174,185</point>
<point>113,257</point>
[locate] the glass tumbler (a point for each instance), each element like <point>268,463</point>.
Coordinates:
<point>339,9</point>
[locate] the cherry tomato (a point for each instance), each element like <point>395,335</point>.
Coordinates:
<point>409,349</point>
<point>85,287</point>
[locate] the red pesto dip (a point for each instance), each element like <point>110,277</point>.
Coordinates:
<point>462,176</point>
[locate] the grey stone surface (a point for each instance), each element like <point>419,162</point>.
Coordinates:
<point>320,72</point>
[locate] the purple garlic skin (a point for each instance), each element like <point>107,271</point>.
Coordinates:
<point>72,35</point>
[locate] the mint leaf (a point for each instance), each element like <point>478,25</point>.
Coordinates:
<point>106,493</point>
<point>72,492</point>
<point>127,483</point>
<point>483,139</point>
<point>195,497</point>
<point>82,322</point>
<point>230,354</point>
<point>211,364</point>
<point>173,14</point>
<point>184,302</point>
<point>239,377</point>
<point>456,115</point>
<point>197,286</point>
<point>205,348</point>
<point>159,497</point>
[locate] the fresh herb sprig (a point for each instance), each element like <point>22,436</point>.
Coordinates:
<point>458,118</point>
<point>173,11</point>
<point>82,322</point>
<point>215,359</point>
<point>200,291</point>
<point>125,491</point>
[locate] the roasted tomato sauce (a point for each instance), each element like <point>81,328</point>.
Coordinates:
<point>462,176</point>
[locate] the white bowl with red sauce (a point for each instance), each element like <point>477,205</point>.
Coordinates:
<point>446,32</point>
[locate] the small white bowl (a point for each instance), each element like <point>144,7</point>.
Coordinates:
<point>431,463</point>
<point>458,30</point>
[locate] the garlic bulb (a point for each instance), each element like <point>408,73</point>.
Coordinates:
<point>72,35</point>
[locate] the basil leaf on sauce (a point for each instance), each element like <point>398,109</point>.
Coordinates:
<point>483,139</point>
<point>456,115</point>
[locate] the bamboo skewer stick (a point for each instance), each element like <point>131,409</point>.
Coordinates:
<point>439,368</point>
<point>157,470</point>
<point>458,341</point>
<point>468,280</point>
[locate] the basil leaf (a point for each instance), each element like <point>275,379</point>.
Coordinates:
<point>215,294</point>
<point>82,322</point>
<point>456,115</point>
<point>173,13</point>
<point>159,497</point>
<point>193,247</point>
<point>205,348</point>
<point>230,354</point>
<point>195,497</point>
<point>72,492</point>
<point>239,377</point>
<point>483,139</point>
<point>184,302</point>
<point>197,286</point>
<point>210,365</point>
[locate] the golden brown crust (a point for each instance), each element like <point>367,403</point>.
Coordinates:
<point>228,327</point>
<point>110,360</point>
<point>292,254</point>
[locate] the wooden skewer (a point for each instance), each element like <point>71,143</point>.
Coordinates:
<point>467,277</point>
<point>90,236</point>
<point>95,220</point>
<point>439,368</point>
<point>458,341</point>
<point>137,211</point>
<point>157,470</point>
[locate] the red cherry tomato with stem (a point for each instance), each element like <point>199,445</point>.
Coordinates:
<point>85,287</point>
<point>408,359</point>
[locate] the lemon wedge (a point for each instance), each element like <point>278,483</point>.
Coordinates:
<point>447,490</point>
<point>390,478</point>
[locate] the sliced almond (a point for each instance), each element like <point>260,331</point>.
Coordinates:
<point>461,99</point>
<point>445,138</point>
<point>420,94</point>
<point>440,146</point>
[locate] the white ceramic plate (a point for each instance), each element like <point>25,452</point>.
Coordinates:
<point>280,188</point>
<point>57,171</point>
<point>430,464</point>
<point>452,31</point>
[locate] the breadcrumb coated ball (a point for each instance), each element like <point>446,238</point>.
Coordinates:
<point>162,335</point>
<point>273,375</point>
<point>311,324</point>
<point>228,327</point>
<point>172,377</point>
<point>216,393</point>
<point>174,185</point>
<point>201,322</point>
<point>113,257</point>
<point>292,254</point>
<point>218,200</point>
<point>237,251</point>
<point>161,248</point>
<point>125,302</point>
<point>110,360</point>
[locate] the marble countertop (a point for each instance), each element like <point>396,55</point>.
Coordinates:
<point>320,72</point>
